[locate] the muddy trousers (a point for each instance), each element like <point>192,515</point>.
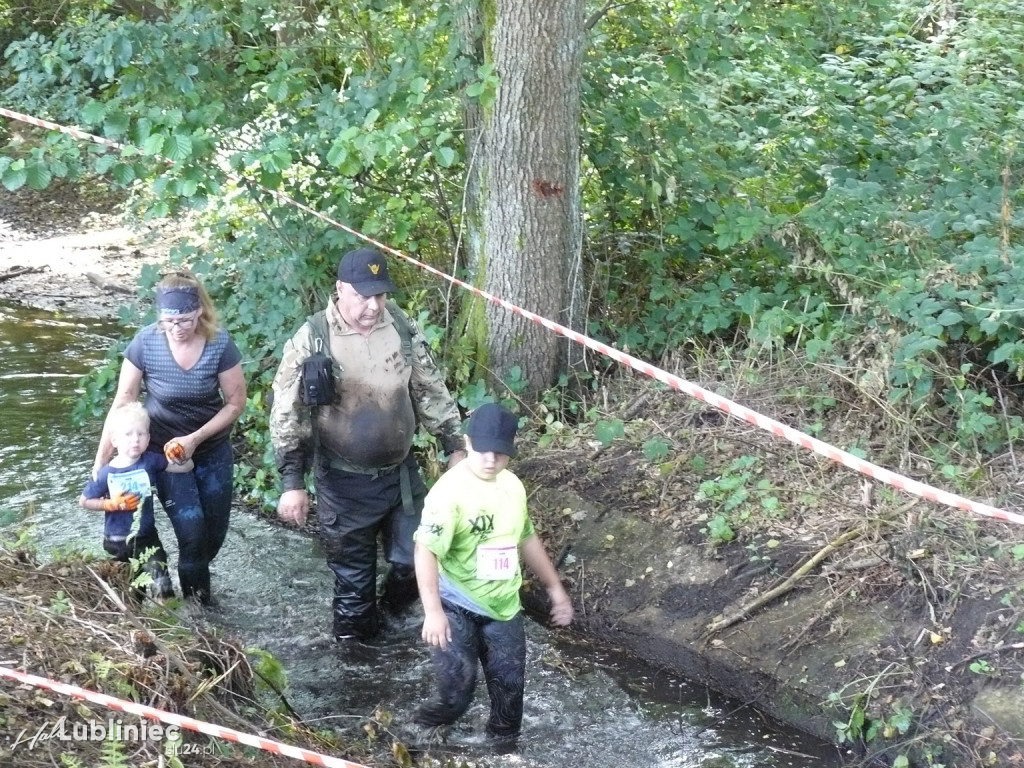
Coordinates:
<point>198,504</point>
<point>500,647</point>
<point>354,511</point>
<point>155,565</point>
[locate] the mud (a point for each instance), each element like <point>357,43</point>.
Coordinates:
<point>908,633</point>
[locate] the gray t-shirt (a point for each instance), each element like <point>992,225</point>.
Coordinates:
<point>178,401</point>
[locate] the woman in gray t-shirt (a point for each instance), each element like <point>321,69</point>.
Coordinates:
<point>195,391</point>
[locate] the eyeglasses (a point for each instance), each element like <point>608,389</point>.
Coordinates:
<point>185,323</point>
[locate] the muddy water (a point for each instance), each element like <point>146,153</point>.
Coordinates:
<point>585,705</point>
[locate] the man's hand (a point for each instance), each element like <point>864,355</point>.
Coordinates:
<point>293,507</point>
<point>123,502</point>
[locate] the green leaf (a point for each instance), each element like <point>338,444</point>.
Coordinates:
<point>14,178</point>
<point>105,162</point>
<point>153,145</point>
<point>1007,351</point>
<point>277,90</point>
<point>901,719</point>
<point>93,112</point>
<point>39,175</point>
<point>676,68</point>
<point>656,449</point>
<point>124,173</point>
<point>115,125</point>
<point>177,147</point>
<point>607,430</point>
<point>720,530</point>
<point>445,156</point>
<point>336,154</point>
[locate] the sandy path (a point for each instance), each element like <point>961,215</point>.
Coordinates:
<point>60,246</point>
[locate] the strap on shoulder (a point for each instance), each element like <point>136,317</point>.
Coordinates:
<point>318,328</point>
<point>404,327</point>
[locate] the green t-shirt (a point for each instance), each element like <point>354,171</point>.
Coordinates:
<point>474,527</point>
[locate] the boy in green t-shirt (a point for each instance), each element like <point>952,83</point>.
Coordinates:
<point>474,527</point>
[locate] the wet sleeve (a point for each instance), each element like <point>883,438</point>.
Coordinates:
<point>94,490</point>
<point>155,464</point>
<point>290,427</point>
<point>97,489</point>
<point>435,407</point>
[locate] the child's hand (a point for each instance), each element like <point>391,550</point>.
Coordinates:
<point>561,610</point>
<point>123,502</point>
<point>436,630</point>
<point>175,452</point>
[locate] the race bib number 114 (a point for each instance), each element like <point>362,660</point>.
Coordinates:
<point>496,563</point>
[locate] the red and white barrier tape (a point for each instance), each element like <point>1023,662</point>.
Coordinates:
<point>735,410</point>
<point>268,745</point>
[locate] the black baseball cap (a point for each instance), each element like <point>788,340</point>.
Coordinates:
<point>367,270</point>
<point>493,428</point>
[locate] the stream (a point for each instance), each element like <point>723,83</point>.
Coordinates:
<point>585,704</point>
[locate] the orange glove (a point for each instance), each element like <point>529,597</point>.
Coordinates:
<point>123,502</point>
<point>175,452</point>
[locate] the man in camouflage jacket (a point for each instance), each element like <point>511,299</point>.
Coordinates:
<point>367,479</point>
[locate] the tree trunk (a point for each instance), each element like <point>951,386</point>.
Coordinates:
<point>471,34</point>
<point>529,193</point>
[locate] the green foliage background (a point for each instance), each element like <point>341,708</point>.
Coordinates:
<point>838,179</point>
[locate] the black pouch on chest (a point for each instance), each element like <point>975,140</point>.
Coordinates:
<point>317,377</point>
<point>318,380</point>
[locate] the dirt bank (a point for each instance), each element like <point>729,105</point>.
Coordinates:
<point>863,615</point>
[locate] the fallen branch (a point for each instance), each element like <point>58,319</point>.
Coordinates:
<point>722,622</point>
<point>198,686</point>
<point>108,285</point>
<point>20,271</point>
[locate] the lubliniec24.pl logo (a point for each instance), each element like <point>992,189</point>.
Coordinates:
<point>110,730</point>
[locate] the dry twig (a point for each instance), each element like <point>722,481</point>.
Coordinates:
<point>723,621</point>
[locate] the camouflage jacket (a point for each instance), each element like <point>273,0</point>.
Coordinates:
<point>378,403</point>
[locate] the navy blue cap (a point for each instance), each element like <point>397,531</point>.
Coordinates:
<point>367,270</point>
<point>493,428</point>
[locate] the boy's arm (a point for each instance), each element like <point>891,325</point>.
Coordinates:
<point>435,624</point>
<point>96,505</point>
<point>537,560</point>
<point>127,502</point>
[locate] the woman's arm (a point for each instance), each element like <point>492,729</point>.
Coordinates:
<point>129,384</point>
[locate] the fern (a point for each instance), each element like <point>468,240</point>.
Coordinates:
<point>113,755</point>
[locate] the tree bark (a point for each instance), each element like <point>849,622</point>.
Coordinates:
<point>529,193</point>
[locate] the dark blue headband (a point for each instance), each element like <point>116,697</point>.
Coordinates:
<point>179,300</point>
